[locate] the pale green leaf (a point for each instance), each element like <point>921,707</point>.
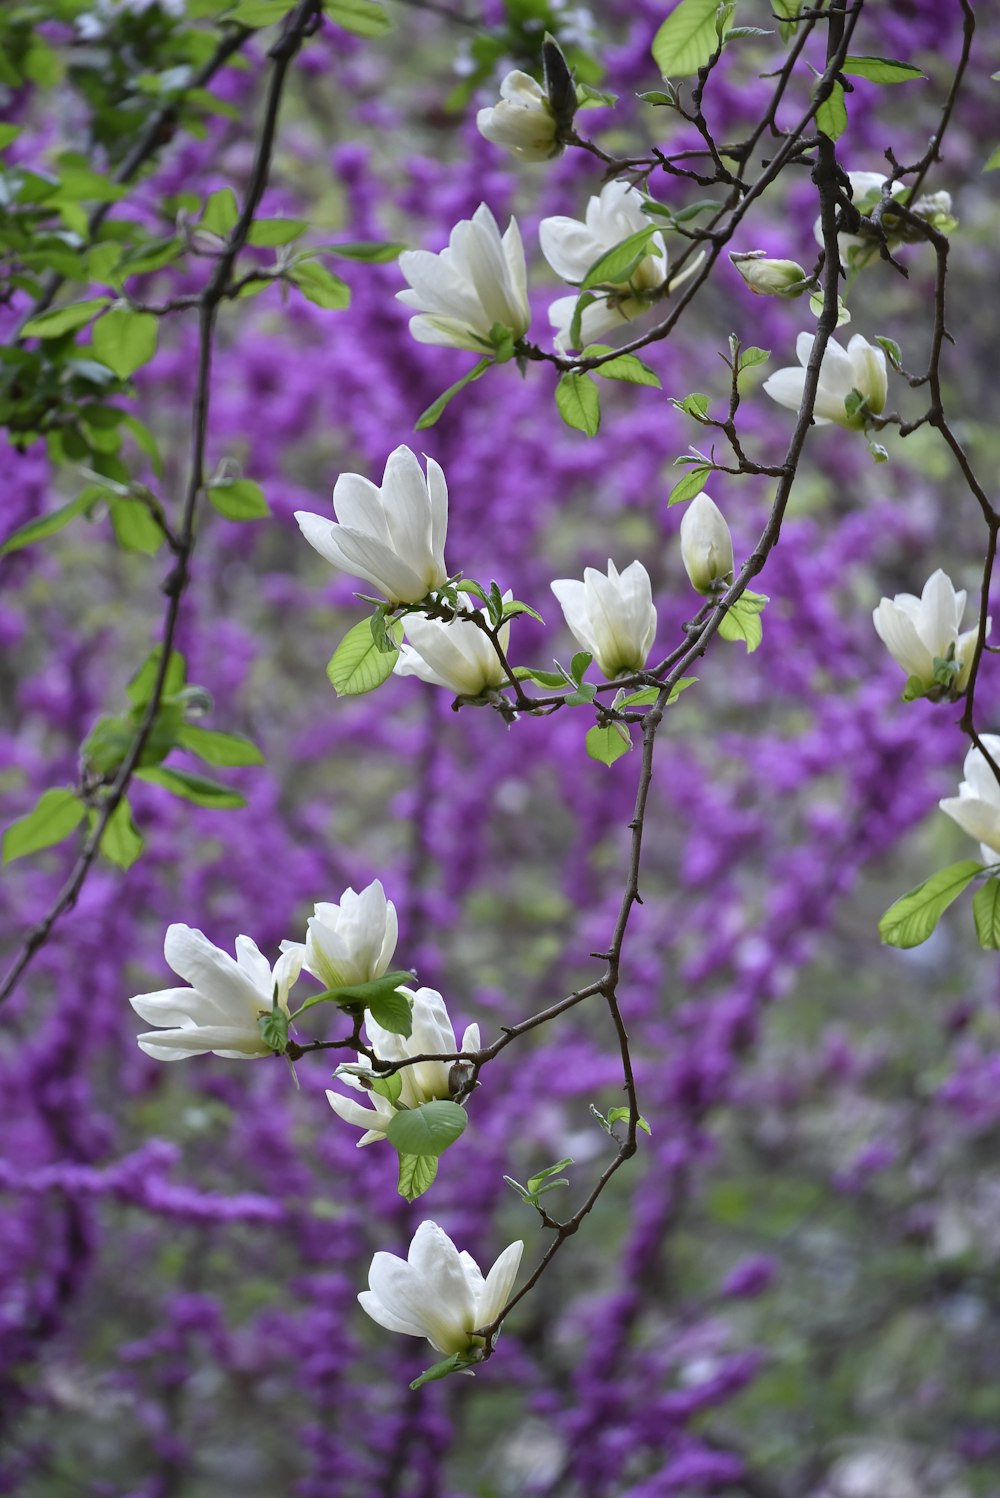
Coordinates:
<point>54,816</point>
<point>60,320</point>
<point>986,909</point>
<point>124,340</point>
<point>880,69</point>
<point>688,39</point>
<point>427,1130</point>
<point>831,116</point>
<point>239,499</point>
<point>362,17</point>
<point>121,840</point>
<point>686,488</point>
<point>913,917</point>
<point>416,1175</point>
<point>217,748</point>
<point>579,403</point>
<point>189,787</point>
<point>608,742</point>
<point>357,665</point>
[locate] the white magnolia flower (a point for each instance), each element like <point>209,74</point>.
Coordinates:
<point>860,367</point>
<point>866,194</point>
<point>916,631</point>
<point>611,616</point>
<point>522,121</point>
<point>349,943</point>
<point>572,247</point>
<point>457,654</point>
<point>478,281</point>
<point>767,277</point>
<point>706,544</point>
<point>219,1012</point>
<point>976,808</point>
<point>437,1292</point>
<point>432,1034</point>
<point>393,537</point>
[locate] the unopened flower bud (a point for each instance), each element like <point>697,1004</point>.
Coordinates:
<point>771,277</point>
<point>706,545</point>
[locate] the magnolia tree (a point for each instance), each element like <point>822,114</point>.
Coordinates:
<point>630,800</point>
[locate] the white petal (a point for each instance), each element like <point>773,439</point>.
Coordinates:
<point>499,1283</point>
<point>980,819</point>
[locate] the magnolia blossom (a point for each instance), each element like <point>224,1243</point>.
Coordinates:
<point>976,808</point>
<point>706,544</point>
<point>866,194</point>
<point>918,631</point>
<point>349,943</point>
<point>860,368</point>
<point>479,281</point>
<point>522,121</point>
<point>613,617</point>
<point>770,277</point>
<point>393,537</point>
<point>572,247</point>
<point>455,654</point>
<point>432,1034</point>
<point>437,1292</point>
<point>219,1012</point>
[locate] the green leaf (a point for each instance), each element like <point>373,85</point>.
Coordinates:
<point>535,1181</point>
<point>625,367</point>
<point>686,488</point>
<point>357,665</point>
<point>892,349</point>
<point>831,116</point>
<point>880,69</point>
<point>274,1029</point>
<point>60,320</point>
<point>986,909</point>
<point>140,688</point>
<point>374,252</point>
<point>221,213</point>
<point>621,1115</point>
<point>753,355</point>
<point>742,621</point>
<point>320,286</point>
<point>134,526</point>
<point>913,917</point>
<point>992,160</point>
<point>693,405</point>
<point>9,133</point>
<point>217,748</point>
<point>433,412</point>
<point>258,13</point>
<point>54,816</point>
<point>362,17</point>
<point>239,499</point>
<point>48,525</point>
<point>389,1087</point>
<point>393,1011</point>
<point>121,840</point>
<point>189,787</point>
<point>616,265</point>
<point>549,679</point>
<point>608,742</point>
<point>454,1364</point>
<point>124,340</point>
<point>416,1175</point>
<point>427,1130</point>
<point>267,233</point>
<point>687,40</point>
<point>579,403</point>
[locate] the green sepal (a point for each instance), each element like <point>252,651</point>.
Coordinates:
<point>274,1029</point>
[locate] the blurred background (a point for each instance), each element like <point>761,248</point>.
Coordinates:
<point>792,1291</point>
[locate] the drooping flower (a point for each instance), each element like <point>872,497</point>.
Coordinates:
<point>391,536</point>
<point>522,121</point>
<point>611,616</point>
<point>919,631</point>
<point>572,247</point>
<point>352,942</point>
<point>432,1034</point>
<point>437,1292</point>
<point>767,277</point>
<point>976,808</point>
<point>220,1010</point>
<point>858,370</point>
<point>478,282</point>
<point>455,654</point>
<point>706,544</point>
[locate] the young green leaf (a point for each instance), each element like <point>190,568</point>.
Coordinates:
<point>831,116</point>
<point>454,1364</point>
<point>434,410</point>
<point>239,499</point>
<point>217,748</point>
<point>121,840</point>
<point>880,69</point>
<point>742,620</point>
<point>222,212</point>
<point>189,787</point>
<point>60,320</point>
<point>616,265</point>
<point>362,17</point>
<point>268,233</point>
<point>621,1115</point>
<point>54,816</point>
<point>48,525</point>
<point>140,688</point>
<point>416,1175</point>
<point>134,527</point>
<point>626,367</point>
<point>992,160</point>
<point>125,340</point>
<point>372,252</point>
<point>687,39</point>
<point>579,403</point>
<point>320,286</point>
<point>686,488</point>
<point>913,917</point>
<point>986,909</point>
<point>393,1011</point>
<point>358,665</point>
<point>608,742</point>
<point>427,1130</point>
